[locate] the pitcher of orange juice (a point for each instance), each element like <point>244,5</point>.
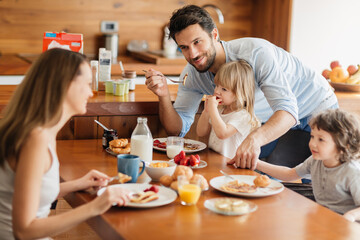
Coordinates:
<point>189,192</point>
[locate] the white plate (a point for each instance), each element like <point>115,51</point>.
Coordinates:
<point>202,145</point>
<point>210,204</point>
<point>274,187</point>
<point>202,164</point>
<point>166,195</point>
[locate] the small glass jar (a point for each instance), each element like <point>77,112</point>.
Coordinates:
<point>131,76</point>
<point>108,136</point>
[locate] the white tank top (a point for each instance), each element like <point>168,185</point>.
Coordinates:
<point>50,188</point>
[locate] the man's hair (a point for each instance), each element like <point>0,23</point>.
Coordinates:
<point>190,15</point>
<point>344,129</point>
<point>238,77</point>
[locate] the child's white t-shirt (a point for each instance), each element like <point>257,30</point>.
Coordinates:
<point>227,147</point>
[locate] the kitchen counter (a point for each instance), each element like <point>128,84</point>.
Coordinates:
<point>20,63</point>
<point>140,101</point>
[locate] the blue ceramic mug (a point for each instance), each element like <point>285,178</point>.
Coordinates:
<point>129,164</point>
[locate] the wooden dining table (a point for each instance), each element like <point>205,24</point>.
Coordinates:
<point>286,215</point>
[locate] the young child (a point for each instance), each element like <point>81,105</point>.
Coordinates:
<point>333,166</point>
<point>229,114</point>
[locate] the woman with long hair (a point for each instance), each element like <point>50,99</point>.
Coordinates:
<point>56,88</point>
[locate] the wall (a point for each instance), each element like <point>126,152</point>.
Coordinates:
<point>23,22</point>
<point>326,30</point>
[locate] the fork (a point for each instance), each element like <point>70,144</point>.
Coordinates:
<point>174,81</point>
<point>114,178</point>
<point>227,175</point>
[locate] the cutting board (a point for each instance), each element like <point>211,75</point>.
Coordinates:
<point>157,57</point>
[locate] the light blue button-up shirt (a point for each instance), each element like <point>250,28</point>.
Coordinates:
<point>282,83</point>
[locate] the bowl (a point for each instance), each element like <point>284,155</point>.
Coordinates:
<point>157,172</point>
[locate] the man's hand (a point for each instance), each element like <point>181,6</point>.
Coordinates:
<point>247,154</point>
<point>156,82</point>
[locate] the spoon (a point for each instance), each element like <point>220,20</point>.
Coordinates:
<point>174,81</point>
<point>227,175</point>
<point>101,125</point>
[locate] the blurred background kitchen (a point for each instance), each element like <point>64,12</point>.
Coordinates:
<point>316,31</point>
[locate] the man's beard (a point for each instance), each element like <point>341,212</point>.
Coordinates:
<point>210,55</point>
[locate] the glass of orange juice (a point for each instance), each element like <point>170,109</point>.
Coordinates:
<point>189,192</point>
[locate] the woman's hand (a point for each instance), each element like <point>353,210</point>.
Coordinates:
<point>93,179</point>
<point>110,197</point>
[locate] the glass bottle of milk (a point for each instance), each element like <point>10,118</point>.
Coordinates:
<point>142,141</point>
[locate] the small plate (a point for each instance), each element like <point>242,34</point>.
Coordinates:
<point>275,187</point>
<point>210,204</point>
<point>345,87</point>
<point>202,145</point>
<point>166,195</point>
<point>108,150</point>
<point>202,164</point>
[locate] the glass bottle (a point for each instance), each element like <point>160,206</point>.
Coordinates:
<point>142,141</point>
<point>95,72</point>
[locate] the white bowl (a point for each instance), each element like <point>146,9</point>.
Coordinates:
<point>156,173</point>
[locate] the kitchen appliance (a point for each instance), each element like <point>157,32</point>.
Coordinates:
<point>112,43</point>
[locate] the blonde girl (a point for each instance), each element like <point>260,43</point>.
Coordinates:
<point>334,165</point>
<point>228,115</point>
<point>56,88</point>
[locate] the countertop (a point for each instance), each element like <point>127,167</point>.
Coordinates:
<point>18,65</point>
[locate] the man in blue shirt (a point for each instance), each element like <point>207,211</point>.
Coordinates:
<point>287,93</point>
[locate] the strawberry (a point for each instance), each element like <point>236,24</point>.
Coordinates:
<point>185,161</point>
<point>153,188</point>
<point>177,159</point>
<point>197,156</point>
<point>194,161</point>
<point>162,145</point>
<point>182,155</point>
<point>156,143</point>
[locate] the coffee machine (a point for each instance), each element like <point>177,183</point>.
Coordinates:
<point>111,38</point>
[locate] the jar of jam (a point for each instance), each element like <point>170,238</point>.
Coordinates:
<point>108,136</point>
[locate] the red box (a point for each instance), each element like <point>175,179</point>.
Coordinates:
<point>70,41</point>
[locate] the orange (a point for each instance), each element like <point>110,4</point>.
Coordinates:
<point>339,75</point>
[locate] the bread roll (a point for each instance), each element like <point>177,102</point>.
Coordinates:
<point>183,170</point>
<point>203,182</point>
<point>166,180</point>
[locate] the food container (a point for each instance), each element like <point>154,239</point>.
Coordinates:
<point>157,172</point>
<point>131,76</point>
<point>127,86</point>
<point>119,88</point>
<point>108,136</point>
<point>109,86</point>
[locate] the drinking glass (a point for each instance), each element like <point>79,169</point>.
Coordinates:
<point>189,192</point>
<point>174,145</point>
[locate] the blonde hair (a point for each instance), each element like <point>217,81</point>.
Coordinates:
<point>38,100</point>
<point>239,78</point>
<point>344,129</point>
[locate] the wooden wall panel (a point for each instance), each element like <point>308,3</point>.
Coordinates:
<point>23,22</point>
<point>272,21</point>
